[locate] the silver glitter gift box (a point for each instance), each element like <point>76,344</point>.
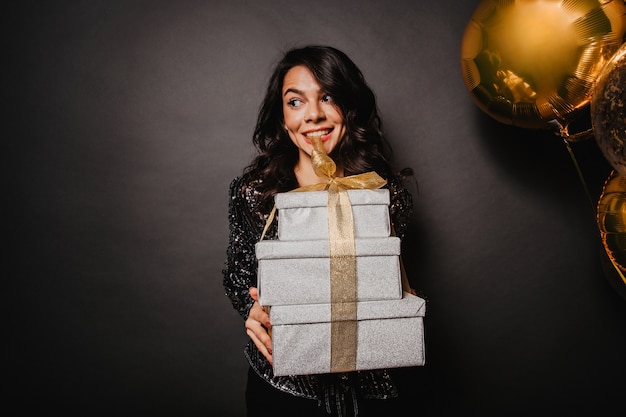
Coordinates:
<point>303,215</point>
<point>390,334</point>
<point>298,272</point>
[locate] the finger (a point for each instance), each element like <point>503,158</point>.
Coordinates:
<point>261,334</point>
<point>254,293</point>
<point>259,314</point>
<point>265,347</point>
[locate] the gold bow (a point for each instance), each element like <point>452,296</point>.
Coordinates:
<point>324,166</point>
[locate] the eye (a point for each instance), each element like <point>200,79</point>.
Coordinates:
<point>327,98</point>
<point>294,102</point>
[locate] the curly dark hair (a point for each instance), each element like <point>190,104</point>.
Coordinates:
<point>362,149</point>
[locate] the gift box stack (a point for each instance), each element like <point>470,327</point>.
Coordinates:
<point>311,333</point>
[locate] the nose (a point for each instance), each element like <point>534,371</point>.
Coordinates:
<point>314,112</point>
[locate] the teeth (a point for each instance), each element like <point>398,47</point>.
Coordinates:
<point>318,134</point>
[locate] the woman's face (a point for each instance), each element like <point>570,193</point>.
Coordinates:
<point>310,112</point>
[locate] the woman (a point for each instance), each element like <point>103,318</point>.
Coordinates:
<point>315,91</point>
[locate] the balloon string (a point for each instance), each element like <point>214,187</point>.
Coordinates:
<point>580,176</point>
<point>593,207</point>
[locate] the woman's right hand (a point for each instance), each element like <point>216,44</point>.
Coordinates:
<point>258,325</point>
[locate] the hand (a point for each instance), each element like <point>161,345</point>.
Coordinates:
<point>257,326</point>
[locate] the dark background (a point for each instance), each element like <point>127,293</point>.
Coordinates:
<point>127,121</point>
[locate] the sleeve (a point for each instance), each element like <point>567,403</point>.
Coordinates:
<point>240,272</point>
<point>400,208</point>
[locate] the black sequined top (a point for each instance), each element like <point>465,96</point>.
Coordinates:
<point>246,222</point>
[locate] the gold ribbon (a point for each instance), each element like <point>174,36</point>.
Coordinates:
<point>343,283</point>
<point>342,253</point>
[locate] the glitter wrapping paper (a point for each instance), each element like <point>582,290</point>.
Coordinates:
<point>298,272</point>
<point>303,215</point>
<point>390,335</point>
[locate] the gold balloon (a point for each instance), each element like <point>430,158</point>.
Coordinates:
<point>533,63</point>
<point>611,218</point>
<point>608,110</point>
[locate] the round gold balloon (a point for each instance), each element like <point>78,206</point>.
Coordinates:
<point>611,218</point>
<point>533,63</point>
<point>608,110</point>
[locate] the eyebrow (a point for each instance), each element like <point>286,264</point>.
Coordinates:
<point>293,90</point>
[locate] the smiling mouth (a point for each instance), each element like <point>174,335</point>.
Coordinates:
<point>319,134</point>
